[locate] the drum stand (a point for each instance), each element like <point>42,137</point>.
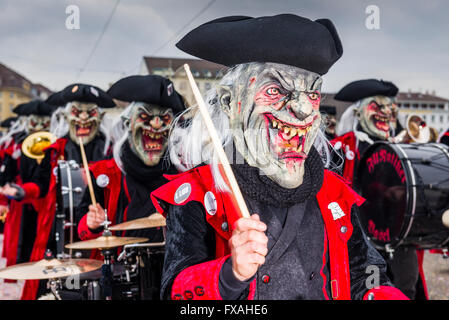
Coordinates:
<point>106,271</point>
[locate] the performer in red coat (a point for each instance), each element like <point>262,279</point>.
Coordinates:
<point>17,170</point>
<point>303,240</point>
<point>374,117</point>
<point>123,184</point>
<point>83,116</point>
<point>371,117</point>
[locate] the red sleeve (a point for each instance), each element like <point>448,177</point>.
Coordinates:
<point>3,200</point>
<point>200,282</point>
<point>31,189</point>
<point>385,293</point>
<point>84,232</point>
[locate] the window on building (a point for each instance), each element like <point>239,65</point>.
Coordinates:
<point>432,106</point>
<point>441,118</point>
<point>11,95</point>
<point>207,86</point>
<point>441,106</point>
<point>432,118</point>
<point>424,106</point>
<point>406,105</point>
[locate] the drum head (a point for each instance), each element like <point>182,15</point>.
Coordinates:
<point>382,180</point>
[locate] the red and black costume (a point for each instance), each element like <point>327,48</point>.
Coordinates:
<point>333,254</point>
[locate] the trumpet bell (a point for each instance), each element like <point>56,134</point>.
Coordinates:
<point>418,129</point>
<point>34,145</point>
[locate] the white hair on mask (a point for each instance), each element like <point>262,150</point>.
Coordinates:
<point>59,125</point>
<point>119,133</point>
<point>190,145</point>
<point>17,126</point>
<point>348,121</point>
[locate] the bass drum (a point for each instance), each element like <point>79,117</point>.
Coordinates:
<point>406,187</point>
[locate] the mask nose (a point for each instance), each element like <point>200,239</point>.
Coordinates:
<point>84,115</point>
<point>300,110</point>
<point>156,123</point>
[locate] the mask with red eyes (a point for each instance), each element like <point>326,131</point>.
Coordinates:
<point>38,123</point>
<point>148,128</point>
<point>274,117</point>
<point>377,116</point>
<point>84,121</point>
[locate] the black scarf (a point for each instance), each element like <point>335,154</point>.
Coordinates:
<point>139,171</point>
<point>261,188</point>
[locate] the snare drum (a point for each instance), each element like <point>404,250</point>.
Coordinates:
<point>406,187</point>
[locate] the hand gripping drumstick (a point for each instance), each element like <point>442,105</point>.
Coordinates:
<point>243,210</point>
<point>86,169</point>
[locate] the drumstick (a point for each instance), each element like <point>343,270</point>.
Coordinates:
<point>242,208</point>
<point>86,169</point>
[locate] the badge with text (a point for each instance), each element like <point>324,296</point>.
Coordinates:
<point>183,193</point>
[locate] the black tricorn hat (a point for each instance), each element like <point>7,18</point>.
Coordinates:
<point>286,38</point>
<point>8,122</point>
<point>36,107</point>
<point>361,89</point>
<point>82,93</point>
<point>330,110</point>
<point>151,89</point>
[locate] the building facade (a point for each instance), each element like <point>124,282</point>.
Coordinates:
<point>16,89</point>
<point>432,109</point>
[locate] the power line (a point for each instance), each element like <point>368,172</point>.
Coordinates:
<point>99,39</point>
<point>183,27</point>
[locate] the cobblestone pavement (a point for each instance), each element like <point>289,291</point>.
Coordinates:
<point>436,270</point>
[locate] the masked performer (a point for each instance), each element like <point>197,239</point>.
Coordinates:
<point>371,117</point>
<point>18,169</point>
<point>83,116</point>
<point>302,242</point>
<point>139,156</point>
<point>330,120</point>
<point>123,184</point>
<point>5,142</point>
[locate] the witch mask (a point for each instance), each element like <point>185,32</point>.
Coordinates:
<point>148,129</point>
<point>274,116</point>
<point>84,121</point>
<point>37,123</point>
<point>377,116</point>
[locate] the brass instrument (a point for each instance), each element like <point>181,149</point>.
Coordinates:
<point>33,146</point>
<point>416,131</point>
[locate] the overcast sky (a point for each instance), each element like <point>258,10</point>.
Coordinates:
<point>410,48</point>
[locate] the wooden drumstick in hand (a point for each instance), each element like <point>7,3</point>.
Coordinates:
<point>86,169</point>
<point>227,170</point>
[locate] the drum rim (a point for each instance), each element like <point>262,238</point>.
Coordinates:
<point>410,200</point>
<point>446,152</point>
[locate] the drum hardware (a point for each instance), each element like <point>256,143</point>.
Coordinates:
<point>54,285</point>
<point>389,250</point>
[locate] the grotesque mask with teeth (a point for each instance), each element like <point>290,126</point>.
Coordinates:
<point>378,115</point>
<point>148,128</point>
<point>84,121</point>
<point>37,123</point>
<point>274,117</point>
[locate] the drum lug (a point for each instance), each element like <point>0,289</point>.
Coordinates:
<point>389,250</point>
<point>445,253</point>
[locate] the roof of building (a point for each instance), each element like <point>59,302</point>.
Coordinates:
<point>12,79</point>
<point>200,68</point>
<point>417,96</point>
